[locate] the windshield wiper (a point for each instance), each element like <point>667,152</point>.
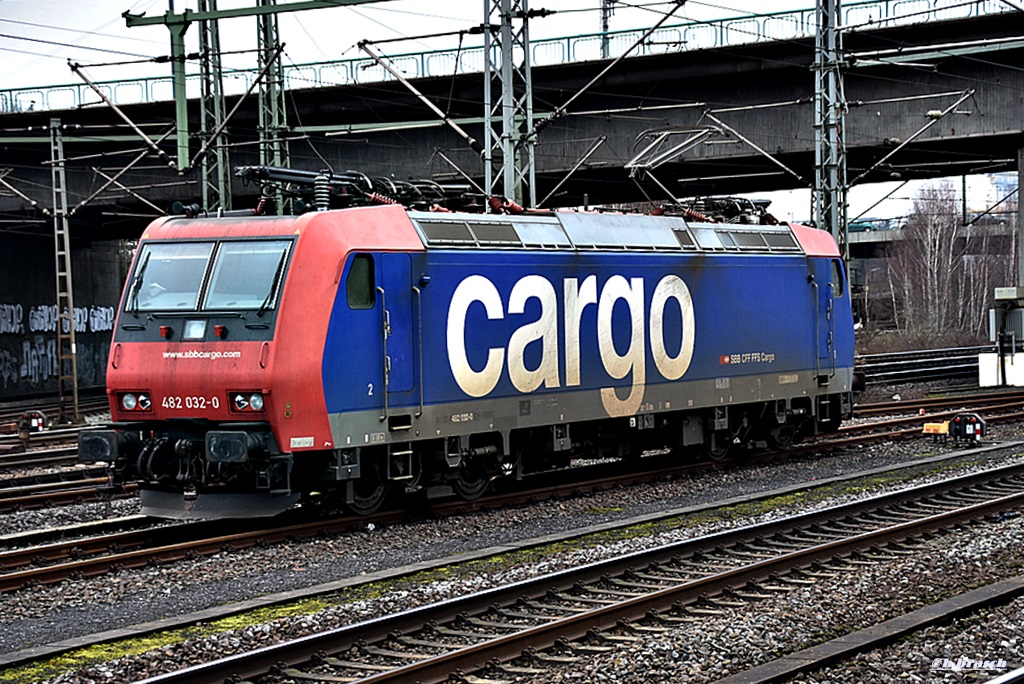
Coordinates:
<point>273,285</point>
<point>133,293</point>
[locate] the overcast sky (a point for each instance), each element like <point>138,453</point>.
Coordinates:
<point>38,37</point>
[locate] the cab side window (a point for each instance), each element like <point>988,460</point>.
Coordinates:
<point>838,279</point>
<point>359,286</point>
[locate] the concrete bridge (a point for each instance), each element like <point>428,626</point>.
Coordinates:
<point>936,85</point>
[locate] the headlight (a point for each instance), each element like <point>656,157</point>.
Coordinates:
<point>249,401</point>
<point>129,402</point>
<point>144,402</point>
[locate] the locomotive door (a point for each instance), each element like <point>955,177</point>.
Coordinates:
<point>397,319</point>
<point>823,286</point>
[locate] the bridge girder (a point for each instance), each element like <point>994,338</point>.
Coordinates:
<point>641,97</point>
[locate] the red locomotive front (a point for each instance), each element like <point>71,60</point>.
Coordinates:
<point>213,372</point>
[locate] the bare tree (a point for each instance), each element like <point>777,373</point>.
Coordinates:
<point>942,274</point>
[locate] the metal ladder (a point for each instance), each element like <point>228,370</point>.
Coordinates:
<point>67,365</point>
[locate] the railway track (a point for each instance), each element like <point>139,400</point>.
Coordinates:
<point>39,458</point>
<point>67,487</point>
<point>872,639</point>
<point>82,485</point>
<point>62,493</point>
<point>966,402</point>
<point>68,434</point>
<point>36,455</point>
<point>48,560</point>
<point>557,619</point>
<point>920,366</point>
<point>87,406</point>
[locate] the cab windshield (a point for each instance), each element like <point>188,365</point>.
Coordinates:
<point>208,276</point>
<point>246,275</point>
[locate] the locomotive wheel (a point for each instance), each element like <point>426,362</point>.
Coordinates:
<point>367,497</point>
<point>782,437</point>
<point>717,447</point>
<point>472,480</point>
<point>368,492</point>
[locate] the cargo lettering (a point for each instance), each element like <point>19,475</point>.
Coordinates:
<point>576,297</point>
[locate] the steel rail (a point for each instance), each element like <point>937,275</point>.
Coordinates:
<point>39,458</point>
<point>988,409</point>
<point>953,401</point>
<point>574,627</point>
<point>65,494</point>
<point>44,436</point>
<point>917,366</point>
<point>204,538</point>
<point>280,658</point>
<point>10,484</point>
<point>49,408</point>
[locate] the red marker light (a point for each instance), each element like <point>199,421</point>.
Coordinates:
<point>220,330</point>
<point>165,332</point>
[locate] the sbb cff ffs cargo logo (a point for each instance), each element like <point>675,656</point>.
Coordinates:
<point>670,291</point>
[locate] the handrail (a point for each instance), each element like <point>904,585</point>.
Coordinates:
<point>682,37</point>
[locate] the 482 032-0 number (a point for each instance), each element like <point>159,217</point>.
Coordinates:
<point>176,403</point>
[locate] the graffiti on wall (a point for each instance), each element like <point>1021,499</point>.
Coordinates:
<point>43,318</point>
<point>10,319</point>
<point>10,369</point>
<point>39,359</point>
<point>28,345</point>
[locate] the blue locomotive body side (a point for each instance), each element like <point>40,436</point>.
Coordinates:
<point>749,314</point>
<point>489,325</point>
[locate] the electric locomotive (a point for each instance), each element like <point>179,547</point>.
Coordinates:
<point>260,362</point>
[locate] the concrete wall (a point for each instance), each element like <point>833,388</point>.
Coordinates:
<point>28,320</point>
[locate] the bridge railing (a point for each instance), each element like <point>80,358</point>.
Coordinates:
<point>688,36</point>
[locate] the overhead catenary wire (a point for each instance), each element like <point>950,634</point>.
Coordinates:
<point>579,163</point>
<point>739,29</point>
<point>932,121</point>
<point>386,64</point>
<point>153,146</point>
<point>561,109</point>
<point>108,51</point>
<point>33,203</point>
<point>113,180</point>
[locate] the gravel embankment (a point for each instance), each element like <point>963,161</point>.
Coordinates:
<point>715,647</point>
<point>763,631</point>
<point>47,614</point>
<point>995,637</point>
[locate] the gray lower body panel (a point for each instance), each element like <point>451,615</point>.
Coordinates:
<point>504,414</point>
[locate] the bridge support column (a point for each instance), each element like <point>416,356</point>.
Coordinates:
<point>1020,219</point>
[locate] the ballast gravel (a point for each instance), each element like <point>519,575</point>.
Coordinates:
<point>46,614</point>
<point>975,648</point>
<point>715,646</point>
<point>741,638</point>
